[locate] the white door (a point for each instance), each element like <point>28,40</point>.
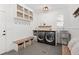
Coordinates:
<point>2,32</point>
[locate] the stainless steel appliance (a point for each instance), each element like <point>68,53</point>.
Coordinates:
<point>47,37</point>
<point>50,37</point>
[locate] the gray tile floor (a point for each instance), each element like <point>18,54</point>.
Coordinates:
<point>38,49</point>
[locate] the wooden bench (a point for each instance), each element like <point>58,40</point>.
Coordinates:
<point>23,43</point>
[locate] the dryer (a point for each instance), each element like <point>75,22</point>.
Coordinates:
<point>50,37</point>
<point>41,36</point>
<point>47,37</point>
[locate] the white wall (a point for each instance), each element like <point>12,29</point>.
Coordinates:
<point>51,18</point>
<point>16,31</point>
<point>71,23</point>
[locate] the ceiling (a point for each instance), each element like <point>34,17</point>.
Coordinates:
<point>60,8</point>
<point>36,7</point>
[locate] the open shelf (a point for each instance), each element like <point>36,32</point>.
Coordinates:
<point>19,7</point>
<point>25,16</point>
<point>24,13</point>
<point>19,14</point>
<point>31,18</point>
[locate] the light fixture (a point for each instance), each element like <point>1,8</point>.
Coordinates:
<point>45,8</point>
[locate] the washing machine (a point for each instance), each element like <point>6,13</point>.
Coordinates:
<point>41,36</point>
<point>47,37</point>
<point>50,38</point>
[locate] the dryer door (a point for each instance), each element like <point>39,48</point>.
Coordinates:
<point>50,36</point>
<point>41,35</point>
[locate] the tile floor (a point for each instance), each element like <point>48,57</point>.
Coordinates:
<point>38,49</point>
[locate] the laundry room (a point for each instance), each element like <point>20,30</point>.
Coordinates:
<point>38,29</point>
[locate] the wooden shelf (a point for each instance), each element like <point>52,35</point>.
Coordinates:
<point>19,7</point>
<point>25,16</point>
<point>45,26</point>
<point>19,14</point>
<point>30,12</point>
<point>31,18</point>
<point>19,18</point>
<point>24,13</point>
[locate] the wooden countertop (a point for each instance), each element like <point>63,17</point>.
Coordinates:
<point>45,30</point>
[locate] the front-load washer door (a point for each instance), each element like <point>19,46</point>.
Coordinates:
<point>41,36</point>
<point>50,37</point>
